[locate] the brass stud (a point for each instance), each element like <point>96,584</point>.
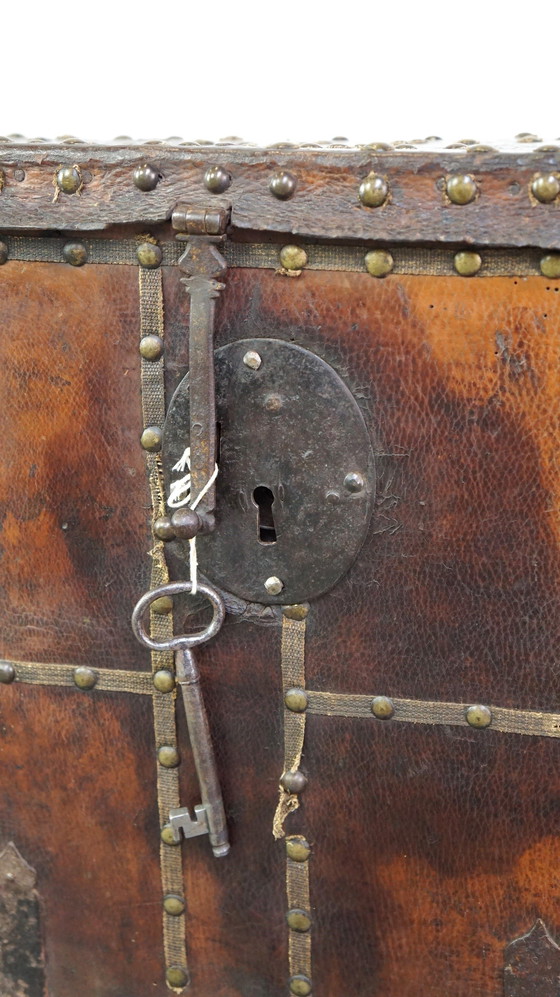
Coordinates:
<point>163,605</point>
<point>478,716</point>
<point>297,612</point>
<point>461,188</point>
<point>298,919</point>
<point>216,179</point>
<point>146,177</point>
<point>173,904</point>
<point>382,708</point>
<point>149,255</point>
<point>85,678</point>
<point>163,680</point>
<point>186,523</point>
<point>300,985</point>
<point>163,528</point>
<point>296,700</point>
<point>69,180</point>
<point>176,976</point>
<point>545,187</point>
<point>151,438</point>
<point>294,782</point>
<point>298,849</point>
<point>7,673</point>
<point>467,263</point>
<point>379,262</point>
<point>373,191</point>
<point>167,836</point>
<point>151,347</point>
<point>354,482</point>
<point>168,756</point>
<point>3,253</point>
<point>282,185</point>
<point>75,253</point>
<point>293,257</point>
<point>550,266</point>
<point>273,585</point>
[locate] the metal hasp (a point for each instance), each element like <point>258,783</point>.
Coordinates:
<point>297,477</point>
<point>203,265</point>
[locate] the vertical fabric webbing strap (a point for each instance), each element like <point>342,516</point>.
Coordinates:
<point>161,624</point>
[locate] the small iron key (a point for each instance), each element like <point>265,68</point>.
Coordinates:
<point>209,816</point>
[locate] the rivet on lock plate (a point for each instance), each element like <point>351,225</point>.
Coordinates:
<point>297,480</point>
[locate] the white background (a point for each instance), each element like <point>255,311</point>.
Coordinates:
<point>281,70</point>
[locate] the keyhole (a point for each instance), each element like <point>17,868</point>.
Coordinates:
<point>264,500</point>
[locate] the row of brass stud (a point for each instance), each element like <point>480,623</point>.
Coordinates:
<point>373,191</point>
<point>87,678</point>
<point>297,700</point>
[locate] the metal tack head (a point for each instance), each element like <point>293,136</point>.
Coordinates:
<point>216,179</point>
<point>149,255</point>
<point>373,191</point>
<point>467,263</point>
<point>163,605</point>
<point>273,585</point>
<point>298,849</point>
<point>85,678</point>
<point>168,756</point>
<point>3,253</point>
<point>296,700</point>
<point>298,919</point>
<point>173,904</point>
<point>461,188</point>
<point>151,439</point>
<point>550,266</point>
<point>7,672</point>
<point>151,347</point>
<point>379,262</point>
<point>297,612</point>
<point>167,835</point>
<point>300,985</point>
<point>294,782</point>
<point>283,185</point>
<point>382,708</point>
<point>354,482</point>
<point>163,528</point>
<point>164,680</point>
<point>69,180</point>
<point>146,177</point>
<point>293,257</point>
<point>177,976</point>
<point>545,187</point>
<point>186,523</point>
<point>252,359</point>
<point>479,716</point>
<point>75,253</point>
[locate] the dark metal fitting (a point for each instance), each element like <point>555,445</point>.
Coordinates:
<point>200,221</point>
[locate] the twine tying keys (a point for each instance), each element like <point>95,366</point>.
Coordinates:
<point>179,495</point>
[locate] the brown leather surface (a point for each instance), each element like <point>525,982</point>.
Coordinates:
<point>432,847</point>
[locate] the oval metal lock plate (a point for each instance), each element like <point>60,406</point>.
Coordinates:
<point>296,483</point>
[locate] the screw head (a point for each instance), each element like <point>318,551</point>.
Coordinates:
<point>173,904</point>
<point>373,191</point>
<point>216,179</point>
<point>186,523</point>
<point>545,187</point>
<point>298,849</point>
<point>85,678</point>
<point>3,253</point>
<point>382,708</point>
<point>7,673</point>
<point>163,680</point>
<point>294,782</point>
<point>68,180</point>
<point>168,756</point>
<point>478,716</point>
<point>75,253</point>
<point>550,266</point>
<point>252,359</point>
<point>354,482</point>
<point>151,347</point>
<point>293,257</point>
<point>300,985</point>
<point>467,264</point>
<point>296,700</point>
<point>282,184</point>
<point>273,585</point>
<point>379,263</point>
<point>151,439</point>
<point>146,177</point>
<point>461,188</point>
<point>149,255</point>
